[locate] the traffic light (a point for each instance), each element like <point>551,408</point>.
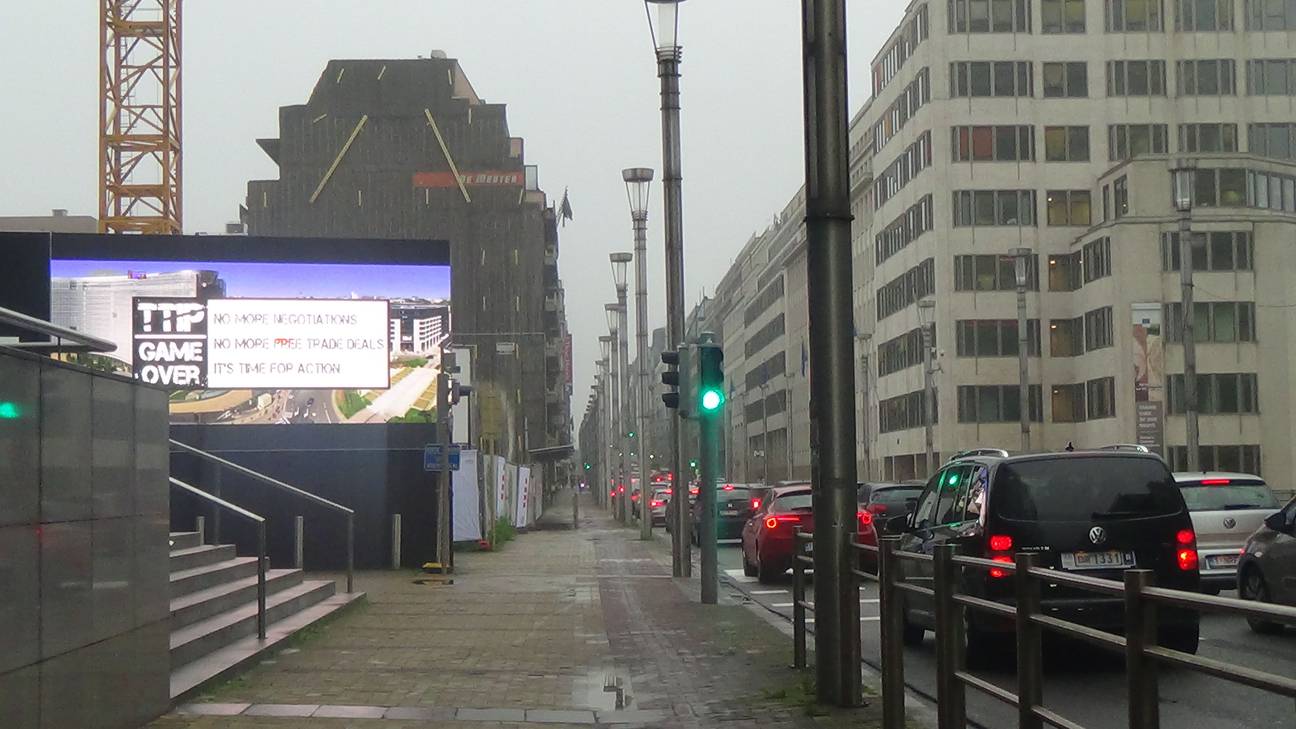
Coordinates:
<point>671,379</point>
<point>710,379</point>
<point>587,466</point>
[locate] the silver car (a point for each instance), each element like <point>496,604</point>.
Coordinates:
<point>1267,572</point>
<point>1226,508</point>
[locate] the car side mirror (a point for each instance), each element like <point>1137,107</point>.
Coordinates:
<point>897,524</point>
<point>1276,522</point>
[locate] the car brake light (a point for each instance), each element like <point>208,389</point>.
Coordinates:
<point>634,496</point>
<point>728,487</point>
<point>773,521</point>
<point>1187,559</point>
<point>655,503</point>
<point>998,573</point>
<point>1185,536</point>
<point>755,504</point>
<point>865,517</point>
<point>694,491</point>
<point>1186,554</point>
<point>1001,543</point>
<point>1215,482</point>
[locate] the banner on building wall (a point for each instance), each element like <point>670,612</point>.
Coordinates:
<point>1149,377</point>
<point>493,178</point>
<point>501,488</point>
<point>523,496</point>
<point>464,485</point>
<point>567,357</point>
<point>511,487</point>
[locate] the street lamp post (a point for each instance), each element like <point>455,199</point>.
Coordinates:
<point>664,26</point>
<point>1020,258</point>
<point>620,261</point>
<point>638,181</point>
<point>764,388</point>
<point>1183,177</point>
<point>926,315</point>
<point>609,442</point>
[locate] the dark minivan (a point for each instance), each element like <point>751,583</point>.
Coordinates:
<point>1092,513</point>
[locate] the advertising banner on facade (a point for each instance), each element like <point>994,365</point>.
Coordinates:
<point>464,485</point>
<point>501,488</point>
<point>1149,377</point>
<point>523,496</point>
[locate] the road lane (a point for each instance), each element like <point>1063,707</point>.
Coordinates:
<point>1082,683</point>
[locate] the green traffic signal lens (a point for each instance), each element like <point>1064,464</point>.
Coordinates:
<point>712,400</point>
<point>9,410</point>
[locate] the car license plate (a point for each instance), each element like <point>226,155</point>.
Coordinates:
<point>1097,560</point>
<point>729,512</point>
<point>1222,560</point>
<point>809,548</point>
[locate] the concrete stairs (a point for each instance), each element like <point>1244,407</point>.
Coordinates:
<point>214,610</point>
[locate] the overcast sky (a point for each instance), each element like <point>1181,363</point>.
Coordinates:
<point>579,78</point>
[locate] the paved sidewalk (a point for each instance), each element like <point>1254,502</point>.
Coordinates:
<point>550,631</point>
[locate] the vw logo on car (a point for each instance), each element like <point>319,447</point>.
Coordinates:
<point>1097,535</point>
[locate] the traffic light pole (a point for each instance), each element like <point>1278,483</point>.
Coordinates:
<point>443,472</point>
<point>709,419</point>
<point>832,383</point>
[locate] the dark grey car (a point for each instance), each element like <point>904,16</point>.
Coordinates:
<point>1267,570</point>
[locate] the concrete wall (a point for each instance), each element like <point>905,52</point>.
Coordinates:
<point>83,548</point>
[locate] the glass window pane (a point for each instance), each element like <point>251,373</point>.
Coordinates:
<point>1201,322</point>
<point>1008,340</point>
<point>1137,78</point>
<point>1011,404</point>
<point>1055,144</point>
<point>987,338</point>
<point>1005,143</point>
<point>1198,254</point>
<point>985,273</point>
<point>1057,208</point>
<point>1054,80</point>
<point>1051,16</point>
<point>1232,187</point>
<point>1075,16</point>
<point>1221,251</point>
<point>1205,188</point>
<point>980,72</point>
<point>988,405</point>
<point>979,16</point>
<point>1226,322</point>
<point>982,143</point>
<point>1080,212</point>
<point>1003,16</point>
<point>1078,143</point>
<point>1008,212</point>
<point>1077,80</point>
<point>1226,393</point>
<point>985,207</point>
<point>1004,79</point>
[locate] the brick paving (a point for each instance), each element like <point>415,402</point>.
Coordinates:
<point>551,631</point>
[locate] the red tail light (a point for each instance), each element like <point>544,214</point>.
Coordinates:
<point>1215,482</point>
<point>694,491</point>
<point>668,492</point>
<point>999,574</point>
<point>865,518</point>
<point>634,496</point>
<point>1001,543</point>
<point>1186,554</point>
<point>755,504</point>
<point>728,487</point>
<point>655,503</point>
<point>774,521</point>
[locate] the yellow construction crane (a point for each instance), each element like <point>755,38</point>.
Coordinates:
<point>139,116</point>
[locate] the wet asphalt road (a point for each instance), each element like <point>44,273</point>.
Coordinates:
<point>1083,683</point>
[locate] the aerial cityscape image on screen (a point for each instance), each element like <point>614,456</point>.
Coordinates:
<point>267,343</point>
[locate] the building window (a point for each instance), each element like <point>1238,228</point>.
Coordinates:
<point>1227,458</point>
<point>1062,16</point>
<point>1131,140</point>
<point>904,351</point>
<point>904,412</point>
<point>1097,259</point>
<point>994,207</point>
<point>1276,140</point>
<point>1068,207</point>
<point>1136,78</point>
<point>995,337</point>
<point>1069,403</point>
<point>1120,196</point>
<point>764,372</point>
<point>1271,191</point>
<point>996,403</point>
<point>993,273</point>
<point>1098,329</point>
<point>1221,393</point>
<point>1213,251</point>
<point>993,144</point>
<point>1066,144</point>
<point>893,58</point>
<point>1100,398</point>
<point>1066,79</point>
<point>765,335</point>
<point>990,78</point>
<point>1066,337</point>
<point>1208,137</point>
<point>1222,322</point>
<point>1271,77</point>
<point>1132,16</point>
<point>906,288</point>
<point>1210,77</point>
<point>989,16</point>
<point>1270,15</point>
<point>1064,272</point>
<point>905,107</point>
<point>904,230</point>
<point>1225,187</point>
<point>1204,15</point>
<point>916,158</point>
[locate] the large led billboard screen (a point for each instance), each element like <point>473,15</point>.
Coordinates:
<point>315,332</point>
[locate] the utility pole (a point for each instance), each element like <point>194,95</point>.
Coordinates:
<point>865,373</point>
<point>1020,258</point>
<point>665,30</point>
<point>443,473</point>
<point>609,409</point>
<point>926,316</point>
<point>765,449</point>
<point>1183,178</point>
<point>637,181</point>
<point>832,387</point>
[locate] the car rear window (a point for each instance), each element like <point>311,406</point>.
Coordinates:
<point>1226,497</point>
<point>1084,489</point>
<point>792,502</point>
<point>895,498</point>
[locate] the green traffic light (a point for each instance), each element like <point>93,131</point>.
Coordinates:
<point>587,467</point>
<point>712,399</point>
<point>9,411</point>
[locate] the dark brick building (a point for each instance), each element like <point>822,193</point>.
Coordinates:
<point>407,149</point>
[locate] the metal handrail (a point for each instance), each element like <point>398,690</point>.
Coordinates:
<point>262,562</point>
<point>261,477</point>
<point>799,603</point>
<point>40,326</point>
<point>1139,644</point>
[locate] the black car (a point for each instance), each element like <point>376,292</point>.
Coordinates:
<point>1092,513</point>
<point>734,506</point>
<point>889,500</point>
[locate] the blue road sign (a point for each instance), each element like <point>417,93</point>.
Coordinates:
<point>432,457</point>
